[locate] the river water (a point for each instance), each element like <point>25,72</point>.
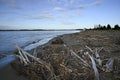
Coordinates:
<point>26,39</point>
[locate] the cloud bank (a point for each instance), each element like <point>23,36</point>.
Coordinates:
<point>82,6</point>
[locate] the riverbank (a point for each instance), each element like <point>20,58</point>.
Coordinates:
<point>108,39</point>
<point>55,53</point>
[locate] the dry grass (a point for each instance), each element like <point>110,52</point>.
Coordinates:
<point>64,64</point>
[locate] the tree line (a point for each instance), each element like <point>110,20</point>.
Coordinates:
<point>108,27</point>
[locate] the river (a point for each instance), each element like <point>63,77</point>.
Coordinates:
<point>26,39</point>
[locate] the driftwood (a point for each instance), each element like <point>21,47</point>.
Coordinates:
<point>82,60</point>
<point>109,65</point>
<point>92,64</point>
<point>26,60</point>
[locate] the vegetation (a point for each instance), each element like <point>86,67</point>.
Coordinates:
<point>16,52</point>
<point>108,27</point>
<point>84,65</point>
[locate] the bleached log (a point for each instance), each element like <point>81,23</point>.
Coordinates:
<point>23,55</point>
<point>89,49</point>
<point>109,65</point>
<point>35,53</point>
<point>83,61</point>
<point>97,56</point>
<point>100,49</point>
<point>21,51</point>
<point>38,60</point>
<point>94,66</point>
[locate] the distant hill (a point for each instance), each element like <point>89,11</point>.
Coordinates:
<point>38,29</point>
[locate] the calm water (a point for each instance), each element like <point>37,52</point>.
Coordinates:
<point>26,39</point>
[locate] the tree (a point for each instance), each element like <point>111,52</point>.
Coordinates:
<point>108,26</point>
<point>116,27</point>
<point>104,27</point>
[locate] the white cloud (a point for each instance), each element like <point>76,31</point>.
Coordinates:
<point>82,6</point>
<point>64,1</point>
<point>59,9</point>
<point>97,2</point>
<point>15,4</point>
<point>43,16</point>
<point>48,15</point>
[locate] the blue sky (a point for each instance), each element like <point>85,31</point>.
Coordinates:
<point>58,14</point>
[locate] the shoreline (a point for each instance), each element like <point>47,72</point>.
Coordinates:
<point>91,38</point>
<point>27,41</point>
<point>9,67</point>
<point>77,41</point>
<point>50,40</point>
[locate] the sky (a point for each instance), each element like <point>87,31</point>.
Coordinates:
<point>58,14</point>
